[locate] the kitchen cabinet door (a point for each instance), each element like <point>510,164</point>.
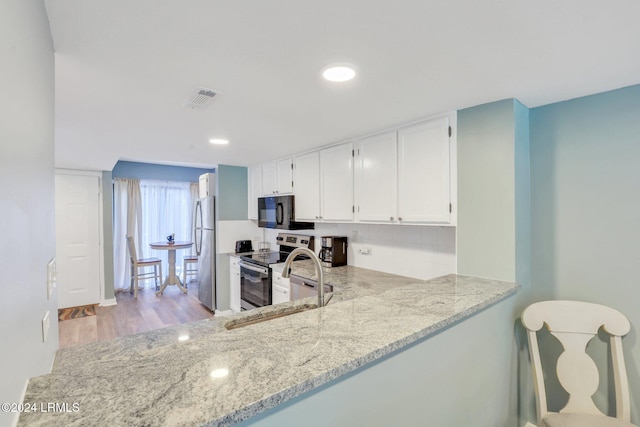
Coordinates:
<point>336,183</point>
<point>280,289</point>
<point>424,173</point>
<point>255,191</point>
<point>306,186</point>
<point>269,179</point>
<point>376,178</point>
<point>234,274</point>
<point>277,177</point>
<point>284,176</point>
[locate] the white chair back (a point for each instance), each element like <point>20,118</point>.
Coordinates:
<point>132,249</point>
<point>574,324</point>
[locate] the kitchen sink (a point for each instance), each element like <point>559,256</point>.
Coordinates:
<point>263,317</point>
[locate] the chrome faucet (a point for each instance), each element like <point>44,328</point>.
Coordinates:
<point>286,270</point>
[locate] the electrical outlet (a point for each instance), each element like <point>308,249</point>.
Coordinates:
<point>51,277</point>
<point>45,326</point>
<point>364,251</point>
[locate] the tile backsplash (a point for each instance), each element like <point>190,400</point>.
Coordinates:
<point>422,252</point>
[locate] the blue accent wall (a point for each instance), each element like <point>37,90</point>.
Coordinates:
<point>232,193</point>
<point>585,212</point>
<point>522,174</point>
<point>486,232</point>
<point>124,169</point>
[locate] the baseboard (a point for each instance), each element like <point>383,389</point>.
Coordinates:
<point>223,313</point>
<point>528,424</point>
<point>108,302</point>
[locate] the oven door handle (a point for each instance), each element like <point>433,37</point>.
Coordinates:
<point>253,267</point>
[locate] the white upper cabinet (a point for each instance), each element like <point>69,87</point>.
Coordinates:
<point>269,179</point>
<point>306,186</point>
<point>277,177</point>
<point>284,176</point>
<point>255,190</point>
<point>424,173</point>
<point>336,183</point>
<point>376,175</point>
<point>404,176</point>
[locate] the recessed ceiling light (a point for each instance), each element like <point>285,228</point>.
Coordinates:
<point>219,141</point>
<point>339,72</point>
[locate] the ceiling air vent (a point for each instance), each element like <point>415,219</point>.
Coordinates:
<point>200,99</point>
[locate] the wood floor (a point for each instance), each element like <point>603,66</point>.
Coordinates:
<point>131,316</point>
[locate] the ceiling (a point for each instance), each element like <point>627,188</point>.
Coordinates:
<point>124,69</point>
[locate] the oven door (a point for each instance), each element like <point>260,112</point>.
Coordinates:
<point>255,286</point>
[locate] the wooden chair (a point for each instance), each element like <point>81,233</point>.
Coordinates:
<point>138,266</point>
<point>187,270</point>
<point>574,324</point>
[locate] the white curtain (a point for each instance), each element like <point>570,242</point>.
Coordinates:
<point>127,214</point>
<point>150,211</point>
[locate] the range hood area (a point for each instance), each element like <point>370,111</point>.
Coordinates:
<point>279,212</point>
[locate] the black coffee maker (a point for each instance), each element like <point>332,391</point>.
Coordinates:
<point>333,252</point>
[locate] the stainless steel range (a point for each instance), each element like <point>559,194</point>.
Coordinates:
<point>255,270</point>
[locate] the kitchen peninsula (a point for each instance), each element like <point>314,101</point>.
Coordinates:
<point>202,374</point>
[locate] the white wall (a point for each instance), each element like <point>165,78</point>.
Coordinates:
<point>26,196</point>
<point>422,252</point>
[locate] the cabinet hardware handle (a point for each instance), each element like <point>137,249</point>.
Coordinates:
<point>391,218</point>
<point>399,218</point>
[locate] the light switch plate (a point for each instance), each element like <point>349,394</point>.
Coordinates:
<point>51,277</point>
<point>45,326</point>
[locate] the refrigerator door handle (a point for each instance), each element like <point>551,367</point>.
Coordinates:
<point>197,228</point>
<point>198,241</point>
<point>198,215</point>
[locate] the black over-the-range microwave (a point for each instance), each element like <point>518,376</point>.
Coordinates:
<point>279,212</point>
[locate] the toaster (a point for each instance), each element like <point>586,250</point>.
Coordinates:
<point>243,246</point>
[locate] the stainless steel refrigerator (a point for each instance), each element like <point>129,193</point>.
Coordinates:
<point>205,243</point>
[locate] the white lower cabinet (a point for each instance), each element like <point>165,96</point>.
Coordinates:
<point>234,275</point>
<point>280,288</point>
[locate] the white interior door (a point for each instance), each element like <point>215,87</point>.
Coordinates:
<point>78,239</point>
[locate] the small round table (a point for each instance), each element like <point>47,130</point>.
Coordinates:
<point>172,277</point>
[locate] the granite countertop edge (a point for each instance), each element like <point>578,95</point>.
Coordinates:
<point>273,400</point>
<point>461,296</point>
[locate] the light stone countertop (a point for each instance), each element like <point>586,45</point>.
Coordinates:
<point>153,378</point>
